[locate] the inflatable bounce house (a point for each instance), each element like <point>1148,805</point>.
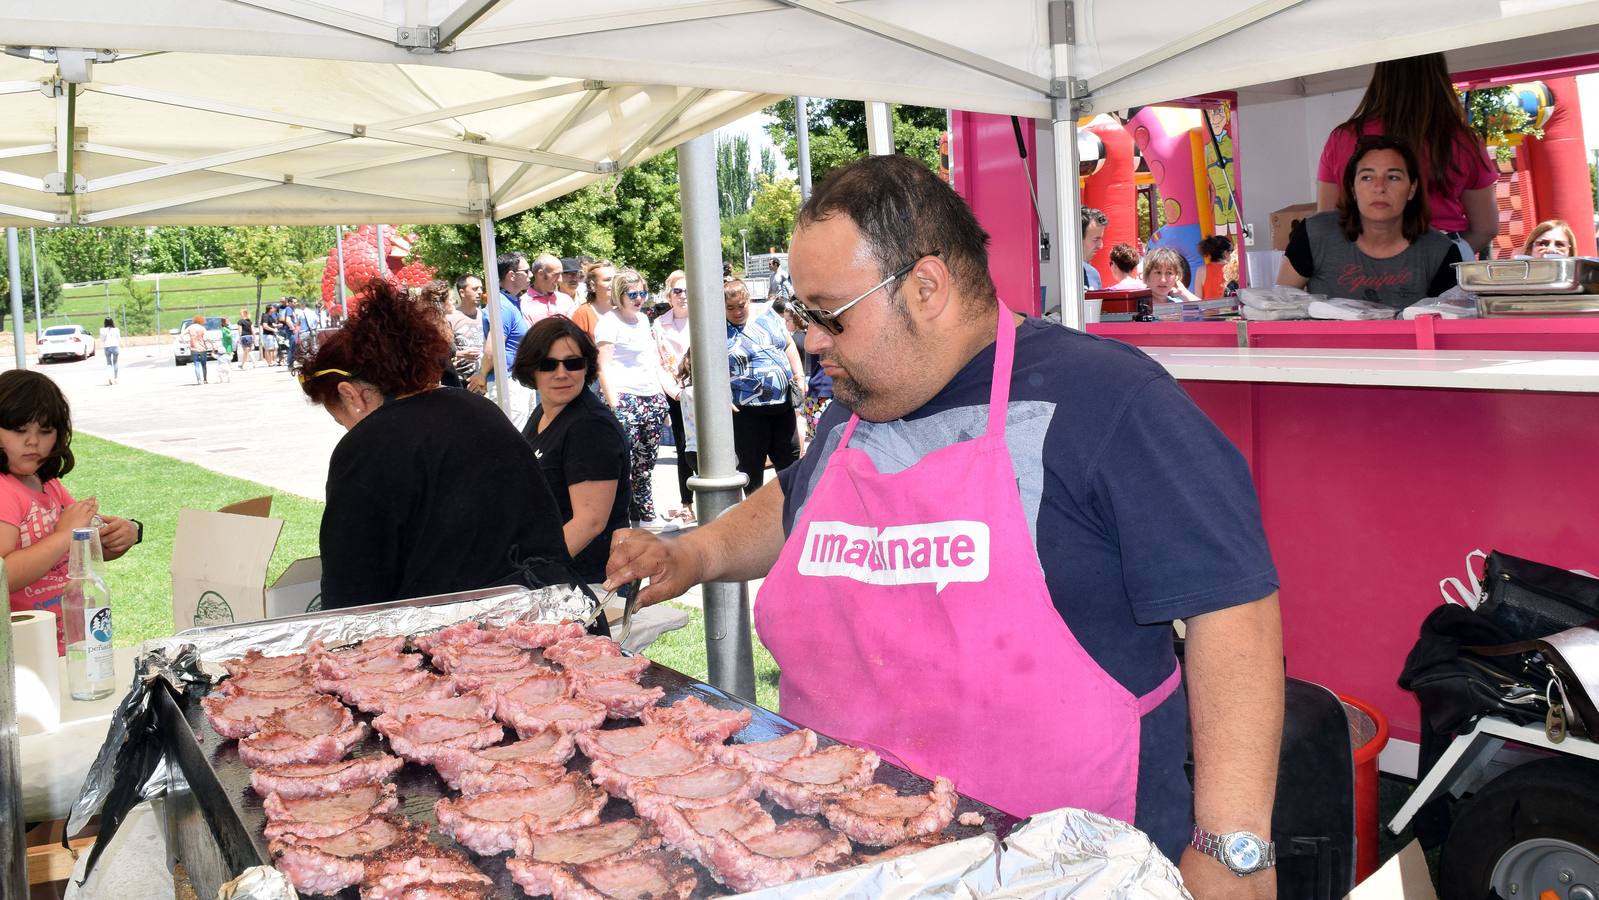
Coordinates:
<point>1180,159</point>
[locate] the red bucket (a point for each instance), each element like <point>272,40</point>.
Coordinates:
<point>1368,734</point>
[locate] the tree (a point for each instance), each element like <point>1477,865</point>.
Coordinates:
<point>305,279</point>
<point>138,311</point>
<point>92,254</point>
<point>772,216</point>
<point>634,219</point>
<point>308,242</point>
<point>735,180</point>
<point>261,253</point>
<point>49,284</point>
<point>838,132</point>
<point>186,248</point>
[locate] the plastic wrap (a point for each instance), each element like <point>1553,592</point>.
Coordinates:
<point>959,870</point>
<point>1084,856</point>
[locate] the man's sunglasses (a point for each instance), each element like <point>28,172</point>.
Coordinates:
<point>828,319</point>
<point>570,364</point>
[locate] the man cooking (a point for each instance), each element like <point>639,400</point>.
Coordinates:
<point>974,568</point>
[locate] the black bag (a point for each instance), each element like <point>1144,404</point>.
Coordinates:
<point>1531,600</point>
<point>1558,663</point>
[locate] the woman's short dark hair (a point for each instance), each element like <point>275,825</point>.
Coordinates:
<point>27,397</point>
<point>1416,218</point>
<point>536,345</point>
<point>904,210</point>
<point>1124,257</point>
<point>389,342</point>
<point>1215,248</point>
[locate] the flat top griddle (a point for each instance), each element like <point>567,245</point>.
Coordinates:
<point>221,782</point>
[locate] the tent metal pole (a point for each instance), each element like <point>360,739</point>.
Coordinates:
<point>802,144</point>
<point>14,263</point>
<point>1212,32</point>
<point>338,246</point>
<point>38,317</point>
<point>879,129</point>
<point>719,484</point>
<point>491,299</point>
<point>13,827</point>
<point>1068,198</point>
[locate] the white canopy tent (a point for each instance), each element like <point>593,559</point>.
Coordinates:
<point>367,110</point>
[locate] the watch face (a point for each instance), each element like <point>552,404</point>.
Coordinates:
<point>1243,851</point>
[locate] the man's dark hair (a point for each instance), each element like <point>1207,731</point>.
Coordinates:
<point>506,262</point>
<point>904,211</point>
<point>1092,216</point>
<point>27,397</point>
<point>460,280</point>
<point>1416,217</point>
<point>535,348</point>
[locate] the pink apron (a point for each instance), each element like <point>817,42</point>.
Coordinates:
<point>897,628</point>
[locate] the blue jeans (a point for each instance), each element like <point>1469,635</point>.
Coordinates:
<point>111,359</point>
<point>197,360</point>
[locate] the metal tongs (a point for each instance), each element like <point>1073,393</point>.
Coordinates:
<point>629,606</point>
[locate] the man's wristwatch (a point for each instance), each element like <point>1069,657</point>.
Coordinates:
<point>1241,851</point>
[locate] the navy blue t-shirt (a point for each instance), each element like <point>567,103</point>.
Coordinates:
<point>1141,511</point>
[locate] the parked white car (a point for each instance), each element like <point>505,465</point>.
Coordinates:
<point>66,342</point>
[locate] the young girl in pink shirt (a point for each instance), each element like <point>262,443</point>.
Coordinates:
<point>37,514</point>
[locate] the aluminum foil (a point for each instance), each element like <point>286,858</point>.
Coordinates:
<point>1084,856</point>
<point>961,870</point>
<point>259,883</point>
<point>409,617</point>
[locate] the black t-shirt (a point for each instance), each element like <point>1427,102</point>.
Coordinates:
<point>432,494</point>
<point>584,443</point>
<point>245,327</point>
<point>269,323</point>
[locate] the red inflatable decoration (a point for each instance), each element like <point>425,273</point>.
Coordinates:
<point>361,265</point>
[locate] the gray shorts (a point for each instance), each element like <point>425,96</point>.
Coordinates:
<point>268,342</point>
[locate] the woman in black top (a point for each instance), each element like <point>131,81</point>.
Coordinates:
<point>432,490</point>
<point>576,439</point>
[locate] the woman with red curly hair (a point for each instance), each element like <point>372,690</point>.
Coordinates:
<point>432,490</point>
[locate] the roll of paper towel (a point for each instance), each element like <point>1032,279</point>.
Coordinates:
<point>33,640</point>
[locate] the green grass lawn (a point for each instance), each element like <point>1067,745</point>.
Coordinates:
<point>684,650</point>
<point>182,296</point>
<point>152,488</point>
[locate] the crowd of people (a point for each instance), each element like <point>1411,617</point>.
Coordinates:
<point>570,321</point>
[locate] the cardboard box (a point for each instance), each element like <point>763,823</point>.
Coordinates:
<point>1403,877</point>
<point>219,568</point>
<point>1283,219</point>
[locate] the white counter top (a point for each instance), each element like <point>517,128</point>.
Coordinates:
<point>1483,370</point>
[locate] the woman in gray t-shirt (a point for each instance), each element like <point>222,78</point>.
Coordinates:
<point>1377,246</point>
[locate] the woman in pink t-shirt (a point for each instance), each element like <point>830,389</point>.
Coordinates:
<point>1414,99</point>
<point>37,514</point>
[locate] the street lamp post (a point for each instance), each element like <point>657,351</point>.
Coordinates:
<point>743,239</point>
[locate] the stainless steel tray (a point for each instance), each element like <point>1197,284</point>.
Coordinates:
<point>1537,305</point>
<point>1551,275</point>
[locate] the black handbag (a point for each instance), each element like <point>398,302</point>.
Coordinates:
<point>1565,663</point>
<point>1532,600</point>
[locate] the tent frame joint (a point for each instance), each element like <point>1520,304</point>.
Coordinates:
<point>1070,98</point>
<point>1063,22</point>
<point>607,167</point>
<point>417,37</point>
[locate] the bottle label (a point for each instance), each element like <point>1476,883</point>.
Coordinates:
<point>97,644</point>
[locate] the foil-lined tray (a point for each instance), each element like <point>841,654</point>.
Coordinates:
<point>1065,853</point>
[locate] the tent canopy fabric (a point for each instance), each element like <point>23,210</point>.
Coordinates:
<point>236,111</point>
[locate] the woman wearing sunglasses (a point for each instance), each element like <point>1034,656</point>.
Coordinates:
<point>763,363</point>
<point>579,445</point>
<point>632,380</point>
<point>671,335</point>
<point>431,490</point>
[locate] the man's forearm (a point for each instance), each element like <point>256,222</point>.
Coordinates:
<point>743,543</point>
<point>1235,699</point>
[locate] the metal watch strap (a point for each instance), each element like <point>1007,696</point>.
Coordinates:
<point>1214,846</point>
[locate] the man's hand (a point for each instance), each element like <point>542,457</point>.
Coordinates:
<point>117,536</point>
<point>670,566</point>
<point>477,384</point>
<point>1207,879</point>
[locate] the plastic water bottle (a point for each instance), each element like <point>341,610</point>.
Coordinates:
<point>86,617</point>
